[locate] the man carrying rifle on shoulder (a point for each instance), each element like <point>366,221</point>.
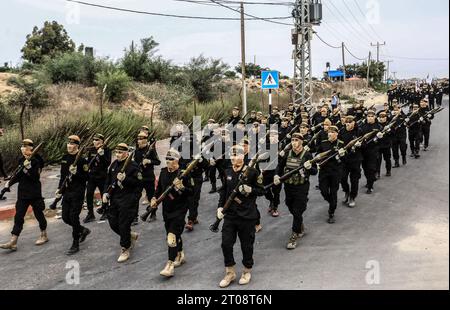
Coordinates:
<point>119,198</point>
<point>351,162</point>
<point>414,131</point>
<point>296,187</point>
<point>384,145</point>
<point>99,157</point>
<point>399,145</point>
<point>175,192</point>
<point>147,158</point>
<point>29,193</point>
<point>426,123</point>
<point>72,186</point>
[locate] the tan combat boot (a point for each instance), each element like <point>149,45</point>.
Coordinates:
<point>179,260</point>
<point>42,239</point>
<point>292,243</point>
<point>11,245</point>
<point>124,255</point>
<point>258,228</point>
<point>134,238</point>
<point>168,271</point>
<point>230,276</point>
<point>245,277</point>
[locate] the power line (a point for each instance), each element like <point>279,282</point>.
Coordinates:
<point>370,25</point>
<point>416,58</point>
<point>249,15</point>
<point>239,2</point>
<point>357,21</point>
<point>172,15</point>
<point>324,42</point>
<point>359,58</point>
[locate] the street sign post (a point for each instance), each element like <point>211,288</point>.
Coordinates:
<point>270,80</point>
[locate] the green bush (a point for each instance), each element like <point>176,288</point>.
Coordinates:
<point>31,92</point>
<point>117,81</point>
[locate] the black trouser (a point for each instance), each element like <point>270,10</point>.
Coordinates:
<point>273,193</point>
<point>71,209</point>
<point>296,201</point>
<point>414,142</point>
<point>92,184</point>
<point>432,104</point>
<point>352,170</point>
<point>369,165</point>
<point>149,186</point>
<point>425,135</point>
<point>329,187</point>
<point>195,199</point>
<point>384,153</point>
<point>399,143</point>
<point>2,169</point>
<point>212,174</point>
<point>245,230</point>
<point>121,214</point>
<point>21,210</point>
<point>175,226</point>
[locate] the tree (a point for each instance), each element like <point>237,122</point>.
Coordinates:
<point>49,41</point>
<point>137,61</point>
<point>201,73</point>
<point>251,69</point>
<point>360,70</point>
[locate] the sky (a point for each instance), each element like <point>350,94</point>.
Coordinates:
<point>416,32</point>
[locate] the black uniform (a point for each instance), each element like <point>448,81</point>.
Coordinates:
<point>175,207</point>
<point>29,193</point>
<point>370,154</point>
<point>351,164</point>
<point>2,169</point>
<point>74,191</point>
<point>399,139</point>
<point>148,174</point>
<point>384,150</point>
<point>241,217</point>
<point>98,169</point>
<point>297,187</point>
<point>414,134</point>
<point>330,174</point>
<point>122,207</point>
<point>425,126</point>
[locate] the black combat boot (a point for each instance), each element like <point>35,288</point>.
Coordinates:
<point>388,174</point>
<point>404,161</point>
<point>397,164</point>
<point>84,234</point>
<point>213,188</point>
<point>331,219</point>
<point>347,196</point>
<point>90,217</point>
<point>75,248</point>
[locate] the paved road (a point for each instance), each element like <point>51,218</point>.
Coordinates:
<point>403,227</point>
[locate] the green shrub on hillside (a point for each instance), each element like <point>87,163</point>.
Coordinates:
<point>117,81</point>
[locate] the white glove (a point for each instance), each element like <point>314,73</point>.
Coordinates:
<point>101,152</point>
<point>407,120</point>
<point>380,135</point>
<point>245,189</point>
<point>421,119</point>
<point>306,148</point>
<point>307,165</point>
<point>146,162</point>
<point>7,184</point>
<point>27,164</point>
<point>73,169</point>
<point>282,154</point>
<point>58,194</point>
<point>262,141</point>
<point>276,180</point>
<point>358,144</point>
<point>105,198</point>
<point>220,214</point>
<point>153,203</point>
<point>288,136</point>
<point>178,184</point>
<point>212,162</point>
<point>121,176</point>
<point>341,152</point>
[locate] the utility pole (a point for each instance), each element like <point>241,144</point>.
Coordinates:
<point>343,60</point>
<point>395,75</point>
<point>388,72</point>
<point>244,86</point>
<point>306,14</point>
<point>378,49</point>
<point>368,68</point>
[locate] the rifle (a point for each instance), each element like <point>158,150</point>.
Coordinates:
<point>110,190</point>
<point>428,115</point>
<point>17,171</point>
<point>290,133</point>
<point>288,175</point>
<point>215,226</point>
<point>67,180</point>
<point>105,144</point>
<point>181,175</point>
<point>147,154</point>
<point>317,126</point>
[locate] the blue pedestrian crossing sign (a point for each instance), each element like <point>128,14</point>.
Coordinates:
<point>270,80</point>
